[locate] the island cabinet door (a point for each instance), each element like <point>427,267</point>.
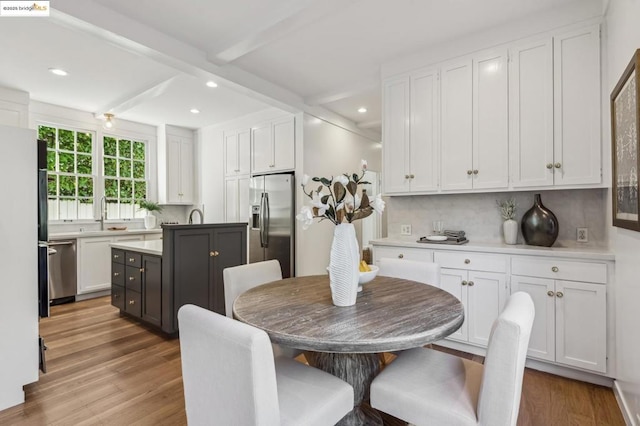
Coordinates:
<point>230,249</point>
<point>152,289</point>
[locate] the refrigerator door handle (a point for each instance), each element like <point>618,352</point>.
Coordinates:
<point>262,221</point>
<point>267,220</point>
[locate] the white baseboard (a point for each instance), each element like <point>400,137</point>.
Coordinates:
<point>624,407</point>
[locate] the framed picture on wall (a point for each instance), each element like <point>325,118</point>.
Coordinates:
<point>625,123</point>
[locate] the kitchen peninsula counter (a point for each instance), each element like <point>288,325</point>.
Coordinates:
<point>153,247</point>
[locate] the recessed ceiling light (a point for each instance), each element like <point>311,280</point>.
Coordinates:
<point>195,111</point>
<point>362,110</point>
<point>58,71</point>
<point>212,84</point>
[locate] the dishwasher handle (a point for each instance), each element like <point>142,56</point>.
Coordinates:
<point>60,243</point>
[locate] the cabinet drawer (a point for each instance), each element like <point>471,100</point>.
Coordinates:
<point>559,269</point>
<point>117,296</point>
<point>133,259</point>
<point>133,278</point>
<point>471,261</point>
<point>117,274</point>
<point>402,253</point>
<point>133,303</point>
<point>117,256</point>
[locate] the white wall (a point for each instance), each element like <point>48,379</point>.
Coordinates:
<point>328,150</point>
<point>19,264</point>
<point>622,38</point>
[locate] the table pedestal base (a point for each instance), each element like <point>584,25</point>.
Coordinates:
<point>358,370</point>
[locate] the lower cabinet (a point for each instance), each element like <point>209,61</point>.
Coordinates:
<point>570,326</point>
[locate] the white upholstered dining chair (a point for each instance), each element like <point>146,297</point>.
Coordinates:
<point>423,272</point>
<point>241,278</point>
<point>231,377</point>
<point>426,387</point>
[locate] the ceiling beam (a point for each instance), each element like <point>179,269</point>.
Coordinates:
<point>290,17</point>
<point>348,91</point>
<point>373,124</point>
<point>127,102</point>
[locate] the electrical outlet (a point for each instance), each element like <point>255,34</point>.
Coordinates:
<point>405,229</point>
<point>582,235</point>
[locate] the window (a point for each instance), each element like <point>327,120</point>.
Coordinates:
<point>75,180</point>
<point>124,171</point>
<point>70,172</point>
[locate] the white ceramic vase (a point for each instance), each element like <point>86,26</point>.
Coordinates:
<point>149,221</point>
<point>510,229</point>
<point>343,265</point>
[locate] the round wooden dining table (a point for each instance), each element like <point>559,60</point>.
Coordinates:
<point>390,314</point>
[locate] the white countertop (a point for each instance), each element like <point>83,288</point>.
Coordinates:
<point>569,251</point>
<point>148,247</point>
<point>87,234</point>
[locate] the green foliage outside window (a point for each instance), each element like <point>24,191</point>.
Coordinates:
<point>124,169</point>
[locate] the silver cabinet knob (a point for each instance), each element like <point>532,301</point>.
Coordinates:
<point>132,278</point>
<point>131,259</point>
<point>471,283</point>
<point>400,256</point>
<point>550,293</point>
<point>469,172</point>
<point>115,274</point>
<point>115,256</point>
<point>412,176</point>
<point>132,302</point>
<point>406,176</point>
<point>554,269</point>
<point>559,294</point>
<point>558,165</point>
<point>464,282</point>
<point>475,171</point>
<point>549,165</point>
<point>467,261</point>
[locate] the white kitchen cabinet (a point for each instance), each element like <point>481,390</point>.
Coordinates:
<point>273,146</point>
<point>153,236</point>
<point>94,261</point>
<point>571,321</point>
<point>577,139</point>
<point>236,194</point>
<point>175,165</point>
<point>490,120</point>
<point>237,146</point>
<point>409,253</point>
<point>411,162</point>
<point>531,114</point>
<point>456,162</point>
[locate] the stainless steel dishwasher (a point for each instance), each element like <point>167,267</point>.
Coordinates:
<point>62,272</point>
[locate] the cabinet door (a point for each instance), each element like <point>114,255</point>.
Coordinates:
<point>423,147</point>
<point>542,344</point>
<point>454,281</point>
<point>261,148</point>
<point>577,146</point>
<point>456,132</point>
<point>581,325</point>
<point>395,140</point>
<point>490,121</point>
<point>531,114</point>
<point>173,169</point>
<point>186,171</point>
<point>230,244</point>
<point>284,144</point>
<point>231,200</point>
<point>244,152</point>
<point>152,289</point>
<point>409,253</point>
<point>94,264</point>
<point>231,163</point>
<point>244,211</point>
<point>486,296</point>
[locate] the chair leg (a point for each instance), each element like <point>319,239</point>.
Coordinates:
<point>383,360</point>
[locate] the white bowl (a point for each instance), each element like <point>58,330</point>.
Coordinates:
<point>365,277</point>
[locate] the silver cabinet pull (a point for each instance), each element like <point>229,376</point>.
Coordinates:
<point>554,269</point>
<point>475,171</point>
<point>132,278</point>
<point>464,282</point>
<point>558,165</point>
<point>471,283</point>
<point>115,274</point>
<point>550,293</point>
<point>469,172</point>
<point>132,302</point>
<point>467,261</point>
<point>549,166</point>
<point>400,256</point>
<point>559,294</point>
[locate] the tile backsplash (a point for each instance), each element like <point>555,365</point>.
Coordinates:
<point>479,216</point>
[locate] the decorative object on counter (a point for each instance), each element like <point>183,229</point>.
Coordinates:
<point>117,228</point>
<point>510,225</point>
<point>150,206</point>
<point>341,204</point>
<point>539,225</point>
<point>438,227</point>
<point>449,237</point>
<point>625,124</point>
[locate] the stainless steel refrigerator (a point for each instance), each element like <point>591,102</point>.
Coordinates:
<point>271,232</point>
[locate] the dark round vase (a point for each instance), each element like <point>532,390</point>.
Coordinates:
<point>539,225</point>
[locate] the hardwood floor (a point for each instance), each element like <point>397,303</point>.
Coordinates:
<point>105,369</point>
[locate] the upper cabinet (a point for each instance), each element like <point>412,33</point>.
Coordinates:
<point>175,165</point>
<point>555,111</point>
<point>273,146</point>
<point>411,112</point>
<point>237,145</point>
<point>521,116</point>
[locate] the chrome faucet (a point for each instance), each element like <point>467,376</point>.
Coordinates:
<point>103,211</point>
<point>191,215</point>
